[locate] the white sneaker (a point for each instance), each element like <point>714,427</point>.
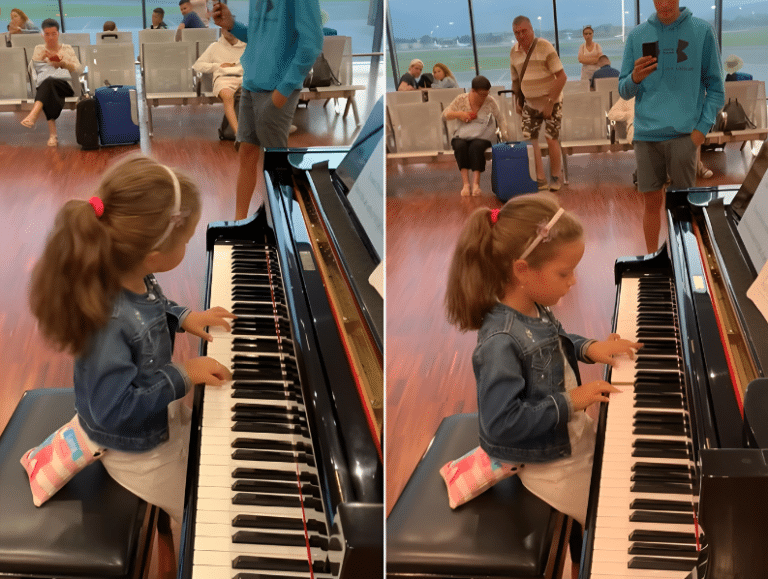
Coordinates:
<point>703,172</point>
<point>293,129</point>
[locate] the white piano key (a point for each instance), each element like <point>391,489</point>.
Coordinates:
<point>202,571</point>
<point>619,571</point>
<point>225,507</point>
<point>234,549</point>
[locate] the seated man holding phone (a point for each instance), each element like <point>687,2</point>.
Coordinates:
<point>672,67</point>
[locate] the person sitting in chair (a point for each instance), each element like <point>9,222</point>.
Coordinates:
<point>222,58</point>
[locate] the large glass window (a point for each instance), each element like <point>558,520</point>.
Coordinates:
<point>745,34</point>
<point>611,22</point>
<point>432,31</point>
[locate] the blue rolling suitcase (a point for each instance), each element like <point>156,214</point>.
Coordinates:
<point>118,113</point>
<point>513,171</point>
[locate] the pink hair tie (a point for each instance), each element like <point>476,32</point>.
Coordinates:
<point>98,206</point>
<point>495,215</point>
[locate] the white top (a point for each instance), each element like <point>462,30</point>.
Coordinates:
<point>217,53</point>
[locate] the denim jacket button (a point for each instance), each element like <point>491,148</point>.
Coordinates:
<point>151,297</point>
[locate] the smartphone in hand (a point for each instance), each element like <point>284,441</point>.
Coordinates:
<point>54,58</point>
<point>651,49</point>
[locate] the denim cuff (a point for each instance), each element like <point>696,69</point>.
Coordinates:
<point>571,407</point>
<point>583,354</point>
<point>179,379</point>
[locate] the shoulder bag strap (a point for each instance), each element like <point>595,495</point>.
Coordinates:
<point>520,97</point>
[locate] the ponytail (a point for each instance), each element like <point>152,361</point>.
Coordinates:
<point>75,282</point>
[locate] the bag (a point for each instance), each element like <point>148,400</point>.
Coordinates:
<point>472,475</point>
<point>513,169</point>
<point>320,74</point>
<point>44,70</point>
<point>477,129</point>
<point>733,118</point>
<point>54,462</point>
<point>519,96</point>
<point>226,132</point>
<point>118,113</point>
<point>86,123</point>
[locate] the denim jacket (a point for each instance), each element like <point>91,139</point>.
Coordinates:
<point>523,408</point>
<point>125,379</point>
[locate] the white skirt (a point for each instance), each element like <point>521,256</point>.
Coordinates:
<point>159,475</point>
<point>564,483</point>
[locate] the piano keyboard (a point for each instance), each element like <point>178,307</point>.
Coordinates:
<point>259,510</point>
<point>648,488</point>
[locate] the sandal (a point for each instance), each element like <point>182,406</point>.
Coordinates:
<point>53,141</point>
<point>465,191</point>
<point>477,191</point>
<point>29,123</point>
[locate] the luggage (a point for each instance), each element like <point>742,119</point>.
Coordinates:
<point>226,131</point>
<point>86,123</point>
<point>513,171</point>
<point>118,112</point>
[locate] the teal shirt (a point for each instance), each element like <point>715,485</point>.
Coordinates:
<point>686,90</point>
<point>284,38</point>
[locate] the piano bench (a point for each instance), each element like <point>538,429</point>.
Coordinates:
<point>92,527</point>
<point>505,532</point>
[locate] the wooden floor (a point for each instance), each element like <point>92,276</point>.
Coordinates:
<point>428,363</point>
<point>35,181</point>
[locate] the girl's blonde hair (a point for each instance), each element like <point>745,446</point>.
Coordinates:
<point>76,280</point>
<point>444,68</point>
<point>20,12</point>
<point>481,268</point>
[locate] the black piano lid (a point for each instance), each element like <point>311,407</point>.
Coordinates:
<point>756,412</point>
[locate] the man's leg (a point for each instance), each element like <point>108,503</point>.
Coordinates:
<point>530,125</point>
<point>538,161</point>
<point>654,201</point>
<point>555,157</point>
<point>247,177</point>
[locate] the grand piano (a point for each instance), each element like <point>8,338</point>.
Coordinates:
<point>285,475</point>
<point>680,478</point>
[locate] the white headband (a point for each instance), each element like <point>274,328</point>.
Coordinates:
<point>542,233</point>
<point>175,218</point>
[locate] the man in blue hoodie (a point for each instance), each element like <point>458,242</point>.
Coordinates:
<point>284,38</point>
<point>672,66</point>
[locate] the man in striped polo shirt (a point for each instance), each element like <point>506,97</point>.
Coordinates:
<point>542,86</point>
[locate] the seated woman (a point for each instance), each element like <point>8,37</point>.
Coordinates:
<point>222,58</point>
<point>20,23</point>
<point>478,115</point>
<point>54,64</point>
<point>443,77</point>
<point>413,79</point>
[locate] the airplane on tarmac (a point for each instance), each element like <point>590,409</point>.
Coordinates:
<point>460,43</point>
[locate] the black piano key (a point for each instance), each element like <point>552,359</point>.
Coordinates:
<point>272,428</point>
<point>650,417</point>
<point>662,488</point>
<point>264,417</point>
<point>267,386</point>
<point>266,500</point>
<point>659,401</point>
<point>286,523</point>
<point>264,474</point>
<point>659,429</point>
<point>250,394</point>
<point>659,444</point>
<point>647,453</point>
<point>272,456</point>
<point>662,536</point>
<point>262,444</point>
<point>662,505</point>
<point>661,518</point>
<point>684,551</point>
<point>662,563</point>
<point>257,345</point>
<point>275,487</point>
<point>653,476</point>
<point>275,564</point>
<point>285,539</point>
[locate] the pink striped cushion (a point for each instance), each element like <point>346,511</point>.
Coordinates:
<point>473,474</point>
<point>57,459</point>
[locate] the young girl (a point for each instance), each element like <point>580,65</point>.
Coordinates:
<point>94,294</point>
<point>509,267</point>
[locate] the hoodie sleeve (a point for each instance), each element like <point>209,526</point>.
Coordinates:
<point>712,79</point>
<point>627,87</point>
<point>309,29</point>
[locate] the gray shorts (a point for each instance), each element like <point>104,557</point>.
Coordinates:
<point>261,123</point>
<point>658,160</point>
